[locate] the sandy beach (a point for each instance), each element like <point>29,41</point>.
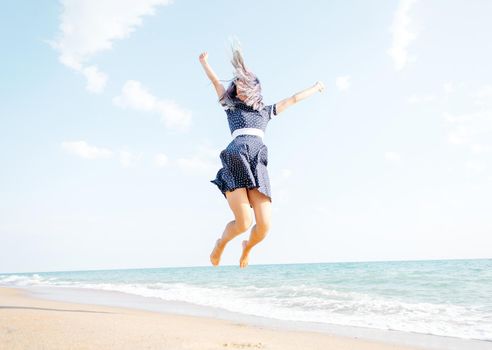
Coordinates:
<point>31,323</point>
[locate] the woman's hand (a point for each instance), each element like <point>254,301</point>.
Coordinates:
<point>319,86</point>
<point>211,74</point>
<point>301,95</point>
<point>203,57</point>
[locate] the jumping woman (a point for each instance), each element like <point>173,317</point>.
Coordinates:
<point>243,179</point>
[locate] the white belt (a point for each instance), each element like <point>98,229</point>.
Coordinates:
<point>248,131</point>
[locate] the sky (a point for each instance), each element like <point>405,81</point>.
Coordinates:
<point>111,131</point>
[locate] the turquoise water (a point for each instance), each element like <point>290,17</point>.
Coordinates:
<point>442,297</point>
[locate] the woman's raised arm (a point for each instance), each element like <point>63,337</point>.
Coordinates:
<point>301,95</point>
<point>219,88</point>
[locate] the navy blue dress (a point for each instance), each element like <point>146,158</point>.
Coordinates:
<point>245,159</point>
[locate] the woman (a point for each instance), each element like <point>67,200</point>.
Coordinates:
<point>243,179</point>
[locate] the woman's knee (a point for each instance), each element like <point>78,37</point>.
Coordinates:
<point>263,227</point>
<point>241,207</point>
<point>244,222</point>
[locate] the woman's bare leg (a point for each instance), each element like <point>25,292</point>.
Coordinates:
<point>239,203</point>
<point>263,211</point>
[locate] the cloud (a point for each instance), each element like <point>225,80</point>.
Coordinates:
<point>483,96</point>
<point>420,99</point>
<point>324,210</point>
<point>473,130</point>
<point>449,87</point>
<point>480,148</point>
<point>205,160</point>
<point>343,83</point>
<point>429,205</point>
<point>281,183</point>
<point>96,80</point>
<point>89,27</point>
<point>196,163</point>
<point>392,156</point>
<point>161,160</point>
<point>129,159</point>
<point>286,173</point>
<point>84,150</point>
<point>402,36</point>
<point>137,97</point>
<point>474,166</point>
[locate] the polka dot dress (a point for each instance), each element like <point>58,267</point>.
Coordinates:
<point>245,159</point>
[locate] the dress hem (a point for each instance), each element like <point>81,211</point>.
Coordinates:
<point>232,189</point>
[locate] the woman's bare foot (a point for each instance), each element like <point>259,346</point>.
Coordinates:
<point>243,262</point>
<point>217,252</point>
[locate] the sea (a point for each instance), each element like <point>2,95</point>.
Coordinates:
<point>450,298</point>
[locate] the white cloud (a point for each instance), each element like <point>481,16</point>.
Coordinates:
<point>96,80</point>
<point>173,116</point>
<point>196,163</point>
<point>473,130</point>
<point>90,26</point>
<point>483,96</point>
<point>206,160</point>
<point>453,119</point>
<point>420,99</point>
<point>324,210</point>
<point>84,150</point>
<point>429,205</point>
<point>480,148</point>
<point>137,97</point>
<point>286,173</point>
<point>281,186</point>
<point>343,83</point>
<point>129,159</point>
<point>392,156</point>
<point>474,166</point>
<point>448,87</point>
<point>458,138</point>
<point>402,36</point>
<point>161,160</point>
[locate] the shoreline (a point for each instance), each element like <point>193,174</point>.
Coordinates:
<point>221,321</point>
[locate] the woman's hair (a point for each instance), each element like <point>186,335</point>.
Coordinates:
<point>246,80</point>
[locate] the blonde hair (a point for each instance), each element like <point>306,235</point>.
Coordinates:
<point>246,80</point>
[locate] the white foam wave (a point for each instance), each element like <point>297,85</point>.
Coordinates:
<point>26,280</point>
<point>304,303</point>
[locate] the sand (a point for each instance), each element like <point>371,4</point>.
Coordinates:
<point>31,323</point>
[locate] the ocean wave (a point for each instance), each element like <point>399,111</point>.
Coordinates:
<point>302,302</point>
<point>26,280</point>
